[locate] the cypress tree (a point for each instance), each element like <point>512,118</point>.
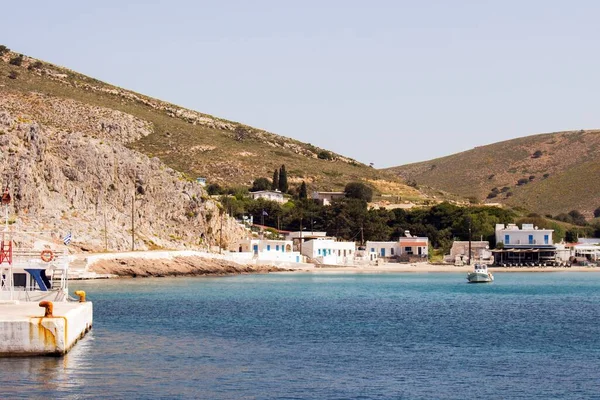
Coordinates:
<point>303,193</point>
<point>283,183</point>
<point>275,183</point>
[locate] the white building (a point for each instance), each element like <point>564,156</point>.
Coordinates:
<point>526,246</point>
<point>328,251</point>
<point>266,250</point>
<point>528,235</point>
<point>326,198</point>
<point>272,195</point>
<point>406,247</point>
<point>201,181</point>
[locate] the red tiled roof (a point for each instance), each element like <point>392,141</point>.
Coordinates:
<point>412,244</point>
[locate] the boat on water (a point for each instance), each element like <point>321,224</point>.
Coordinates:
<point>480,274</point>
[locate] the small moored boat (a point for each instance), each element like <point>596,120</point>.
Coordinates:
<point>480,274</point>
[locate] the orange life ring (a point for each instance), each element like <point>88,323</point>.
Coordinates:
<point>47,255</point>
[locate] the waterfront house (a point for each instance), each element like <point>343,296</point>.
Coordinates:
<point>298,237</point>
<point>328,251</point>
<point>326,198</point>
<point>272,195</point>
<point>529,245</point>
<point>265,250</point>
<point>407,248</point>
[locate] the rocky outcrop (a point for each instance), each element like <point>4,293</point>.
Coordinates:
<point>140,267</point>
<point>68,169</point>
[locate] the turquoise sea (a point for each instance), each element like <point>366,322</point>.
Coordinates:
<point>335,336</point>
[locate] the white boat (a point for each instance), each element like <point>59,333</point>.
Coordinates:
<point>480,274</point>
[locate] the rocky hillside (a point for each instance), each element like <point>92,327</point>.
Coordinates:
<point>197,144</point>
<point>548,173</point>
<point>81,177</point>
<point>75,151</point>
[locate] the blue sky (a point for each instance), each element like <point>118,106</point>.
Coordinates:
<point>387,82</point>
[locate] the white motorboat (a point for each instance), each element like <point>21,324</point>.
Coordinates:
<point>480,274</point>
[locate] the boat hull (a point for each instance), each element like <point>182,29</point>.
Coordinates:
<point>479,277</point>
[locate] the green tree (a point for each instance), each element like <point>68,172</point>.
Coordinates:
<point>597,212</point>
<point>358,190</point>
<point>214,188</point>
<point>275,182</point>
<point>571,236</point>
<point>260,184</point>
<point>283,182</point>
<point>303,192</point>
<point>578,218</point>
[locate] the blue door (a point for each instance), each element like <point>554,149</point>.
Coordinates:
<point>382,252</point>
<point>255,248</point>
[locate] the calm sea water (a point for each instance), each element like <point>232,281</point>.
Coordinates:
<point>339,336</point>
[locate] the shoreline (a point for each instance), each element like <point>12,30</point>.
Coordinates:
<point>156,264</point>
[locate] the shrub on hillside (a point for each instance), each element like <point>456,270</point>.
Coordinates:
<point>546,175</point>
<point>522,181</point>
<point>597,212</point>
<point>3,50</point>
<point>36,65</point>
<point>504,189</point>
<point>531,177</point>
<point>13,74</point>
<point>18,60</point>
<point>537,154</point>
<point>214,189</point>
<point>577,217</point>
<point>325,155</point>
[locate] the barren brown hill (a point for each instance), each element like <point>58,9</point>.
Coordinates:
<point>548,173</point>
<point>196,144</point>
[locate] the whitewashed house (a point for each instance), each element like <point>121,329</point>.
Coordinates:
<point>329,251</point>
<point>298,237</point>
<point>272,195</point>
<point>266,250</point>
<point>407,248</point>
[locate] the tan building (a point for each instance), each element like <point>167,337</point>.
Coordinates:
<point>459,253</point>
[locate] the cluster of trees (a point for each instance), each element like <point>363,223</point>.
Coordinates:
<point>351,219</point>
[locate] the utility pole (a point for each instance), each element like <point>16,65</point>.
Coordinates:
<point>105,233</point>
<point>362,237</point>
<point>221,234</point>
<point>469,259</point>
<point>133,222</point>
<point>301,234</point>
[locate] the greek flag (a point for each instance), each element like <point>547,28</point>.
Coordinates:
<point>67,239</point>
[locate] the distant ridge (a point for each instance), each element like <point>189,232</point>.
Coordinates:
<point>548,173</point>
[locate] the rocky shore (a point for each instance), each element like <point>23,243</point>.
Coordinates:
<point>178,266</point>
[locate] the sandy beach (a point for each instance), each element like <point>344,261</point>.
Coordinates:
<point>147,264</point>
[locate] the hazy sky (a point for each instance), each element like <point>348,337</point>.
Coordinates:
<point>387,82</point>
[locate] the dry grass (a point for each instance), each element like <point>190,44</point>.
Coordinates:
<point>563,178</point>
<point>199,150</point>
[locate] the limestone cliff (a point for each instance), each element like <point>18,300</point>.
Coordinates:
<point>68,169</point>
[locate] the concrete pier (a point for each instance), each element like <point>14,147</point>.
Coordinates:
<point>25,331</point>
